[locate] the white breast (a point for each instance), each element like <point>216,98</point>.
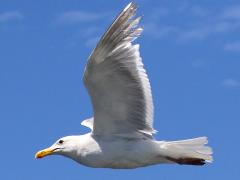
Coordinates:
<point>116,153</point>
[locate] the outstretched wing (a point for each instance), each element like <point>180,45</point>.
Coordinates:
<point>117,81</point>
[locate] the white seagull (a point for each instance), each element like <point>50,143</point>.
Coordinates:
<point>122,131</point>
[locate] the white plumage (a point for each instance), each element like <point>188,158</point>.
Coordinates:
<point>122,125</point>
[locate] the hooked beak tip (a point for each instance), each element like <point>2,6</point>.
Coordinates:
<point>43,153</point>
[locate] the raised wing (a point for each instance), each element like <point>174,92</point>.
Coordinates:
<point>88,123</point>
<point>117,81</point>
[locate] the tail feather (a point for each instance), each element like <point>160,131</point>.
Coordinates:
<point>190,151</point>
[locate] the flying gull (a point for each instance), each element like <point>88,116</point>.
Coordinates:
<point>122,130</point>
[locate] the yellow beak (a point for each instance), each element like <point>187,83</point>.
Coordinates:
<point>43,153</point>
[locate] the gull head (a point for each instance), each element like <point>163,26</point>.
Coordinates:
<point>63,146</point>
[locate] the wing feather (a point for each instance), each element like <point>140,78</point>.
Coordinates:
<point>117,81</point>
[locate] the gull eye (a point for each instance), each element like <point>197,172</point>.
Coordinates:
<point>60,141</point>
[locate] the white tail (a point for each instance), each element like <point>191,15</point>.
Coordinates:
<point>190,151</point>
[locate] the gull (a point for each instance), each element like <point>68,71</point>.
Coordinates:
<point>122,130</point>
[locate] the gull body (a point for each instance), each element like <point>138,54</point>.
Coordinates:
<point>113,152</point>
<point>122,130</point>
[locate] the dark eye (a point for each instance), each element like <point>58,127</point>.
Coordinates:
<point>60,141</point>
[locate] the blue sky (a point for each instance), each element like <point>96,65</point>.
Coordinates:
<point>191,51</point>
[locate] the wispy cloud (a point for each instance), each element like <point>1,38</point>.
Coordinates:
<point>10,16</point>
<point>198,11</point>
<point>232,12</point>
<point>195,33</point>
<point>203,30</point>
<point>88,34</point>
<point>230,83</point>
<point>200,23</point>
<point>158,13</point>
<point>155,31</point>
<point>233,46</point>
<point>215,23</point>
<point>73,17</point>
<point>90,31</point>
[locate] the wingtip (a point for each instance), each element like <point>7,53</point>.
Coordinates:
<point>132,5</point>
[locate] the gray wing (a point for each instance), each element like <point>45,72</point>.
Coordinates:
<point>117,81</point>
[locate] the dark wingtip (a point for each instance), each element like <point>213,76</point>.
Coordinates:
<point>192,161</point>
<point>188,161</point>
